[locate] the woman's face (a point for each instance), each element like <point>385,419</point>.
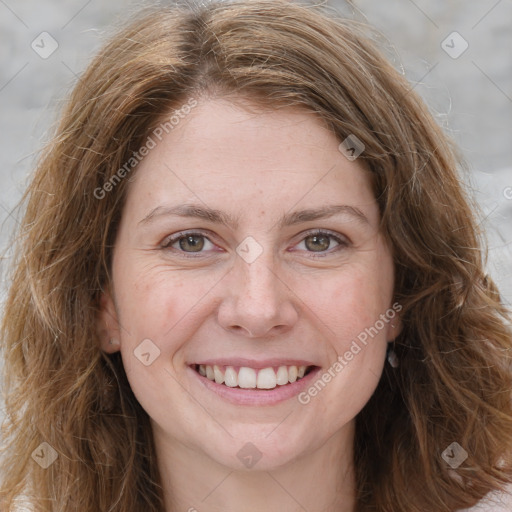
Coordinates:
<point>249,245</point>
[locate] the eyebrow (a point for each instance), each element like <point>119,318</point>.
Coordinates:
<point>220,217</point>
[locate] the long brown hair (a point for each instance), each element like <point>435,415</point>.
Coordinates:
<point>454,380</point>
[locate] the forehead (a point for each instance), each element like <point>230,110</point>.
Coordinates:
<point>236,158</point>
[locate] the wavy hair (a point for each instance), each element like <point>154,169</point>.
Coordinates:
<point>454,380</point>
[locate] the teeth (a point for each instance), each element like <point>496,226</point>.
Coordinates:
<point>218,375</point>
<point>230,377</point>
<point>247,378</point>
<point>282,375</point>
<point>250,378</point>
<point>266,379</point>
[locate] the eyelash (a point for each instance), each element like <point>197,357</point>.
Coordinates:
<point>169,241</point>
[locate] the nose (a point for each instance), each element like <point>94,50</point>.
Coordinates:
<point>257,303</point>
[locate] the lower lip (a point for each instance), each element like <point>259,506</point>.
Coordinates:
<point>240,396</point>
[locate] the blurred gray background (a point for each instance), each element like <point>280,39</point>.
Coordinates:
<point>456,53</point>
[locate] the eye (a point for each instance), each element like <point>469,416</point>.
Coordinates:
<point>318,243</point>
<point>188,243</point>
<point>321,241</point>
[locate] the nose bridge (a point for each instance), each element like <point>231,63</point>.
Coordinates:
<point>257,300</point>
<point>257,281</point>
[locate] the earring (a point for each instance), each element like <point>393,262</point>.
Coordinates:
<point>392,358</point>
<point>113,341</point>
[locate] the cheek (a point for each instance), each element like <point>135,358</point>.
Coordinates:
<point>157,302</point>
<point>159,311</point>
<point>351,302</point>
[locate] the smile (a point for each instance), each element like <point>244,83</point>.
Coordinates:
<point>252,378</point>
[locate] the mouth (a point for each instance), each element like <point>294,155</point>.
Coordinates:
<point>245,377</point>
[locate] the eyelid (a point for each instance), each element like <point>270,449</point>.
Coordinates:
<point>170,239</point>
<point>342,240</point>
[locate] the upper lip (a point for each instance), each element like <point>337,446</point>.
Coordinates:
<point>253,363</point>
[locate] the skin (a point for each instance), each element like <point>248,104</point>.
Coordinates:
<point>256,166</point>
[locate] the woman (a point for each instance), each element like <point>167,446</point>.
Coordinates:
<point>249,279</point>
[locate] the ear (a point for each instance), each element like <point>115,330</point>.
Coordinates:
<point>394,327</point>
<point>107,325</point>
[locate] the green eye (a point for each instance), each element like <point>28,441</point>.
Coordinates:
<point>319,243</point>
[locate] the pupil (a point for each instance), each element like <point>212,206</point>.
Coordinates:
<point>319,242</point>
<point>195,243</point>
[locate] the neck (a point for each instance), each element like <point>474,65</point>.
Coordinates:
<point>319,481</point>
